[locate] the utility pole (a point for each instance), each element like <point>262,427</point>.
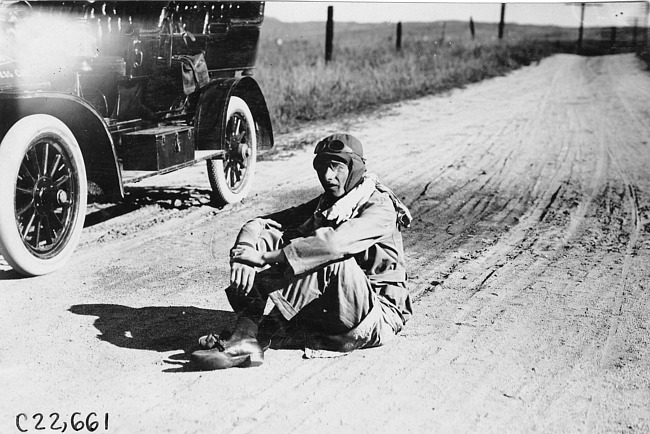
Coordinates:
<point>582,23</point>
<point>502,23</point>
<point>644,49</point>
<point>442,33</point>
<point>398,39</point>
<point>329,34</point>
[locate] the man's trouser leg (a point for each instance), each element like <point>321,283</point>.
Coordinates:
<point>330,300</point>
<point>242,346</point>
<point>252,305</point>
<point>337,303</point>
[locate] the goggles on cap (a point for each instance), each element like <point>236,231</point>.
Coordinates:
<point>335,146</point>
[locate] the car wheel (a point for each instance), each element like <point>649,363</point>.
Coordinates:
<point>43,194</point>
<point>231,177</point>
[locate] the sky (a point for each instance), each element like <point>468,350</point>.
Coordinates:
<point>617,14</point>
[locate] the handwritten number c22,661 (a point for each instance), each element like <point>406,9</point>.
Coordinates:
<point>78,422</point>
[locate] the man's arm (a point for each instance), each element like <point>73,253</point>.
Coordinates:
<point>243,261</point>
<point>254,258</point>
<point>377,220</point>
<point>281,220</point>
<point>244,256</point>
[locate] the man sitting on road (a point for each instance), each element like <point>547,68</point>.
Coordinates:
<point>334,265</point>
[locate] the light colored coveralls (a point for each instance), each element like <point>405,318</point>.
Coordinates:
<point>346,282</point>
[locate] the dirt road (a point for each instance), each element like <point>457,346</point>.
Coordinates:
<point>529,258</point>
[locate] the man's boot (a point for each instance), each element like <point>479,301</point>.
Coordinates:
<point>241,349</point>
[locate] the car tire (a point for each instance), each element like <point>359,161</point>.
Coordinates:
<point>231,177</point>
<point>43,195</point>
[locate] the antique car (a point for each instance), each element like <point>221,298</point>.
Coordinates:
<point>95,95</point>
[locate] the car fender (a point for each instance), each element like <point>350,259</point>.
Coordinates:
<point>210,119</point>
<point>86,124</point>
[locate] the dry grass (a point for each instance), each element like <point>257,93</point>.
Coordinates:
<point>367,70</point>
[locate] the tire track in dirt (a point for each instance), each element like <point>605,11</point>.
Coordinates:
<point>519,242</point>
<point>605,355</point>
<point>612,311</point>
<point>467,200</point>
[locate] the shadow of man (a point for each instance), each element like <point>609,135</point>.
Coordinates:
<point>156,328</point>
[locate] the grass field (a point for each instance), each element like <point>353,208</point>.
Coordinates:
<point>367,70</point>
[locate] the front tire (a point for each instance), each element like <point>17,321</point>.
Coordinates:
<point>231,177</point>
<point>43,195</point>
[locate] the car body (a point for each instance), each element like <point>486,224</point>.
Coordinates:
<point>97,95</point>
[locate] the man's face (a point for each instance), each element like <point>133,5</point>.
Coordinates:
<point>332,176</point>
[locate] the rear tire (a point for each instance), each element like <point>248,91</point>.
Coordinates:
<point>231,177</point>
<point>43,195</point>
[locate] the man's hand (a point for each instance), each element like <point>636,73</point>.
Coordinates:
<point>243,261</point>
<point>242,277</point>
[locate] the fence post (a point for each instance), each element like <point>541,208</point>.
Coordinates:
<point>471,27</point>
<point>398,39</point>
<point>442,33</point>
<point>502,22</point>
<point>582,21</point>
<point>329,33</point>
<point>644,50</point>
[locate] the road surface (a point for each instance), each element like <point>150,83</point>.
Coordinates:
<point>528,259</point>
